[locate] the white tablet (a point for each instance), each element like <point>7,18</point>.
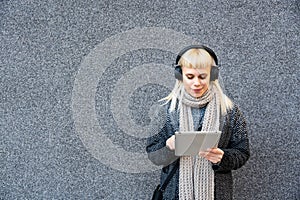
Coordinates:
<point>190,143</point>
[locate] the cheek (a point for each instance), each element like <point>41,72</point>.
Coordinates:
<point>186,82</point>
<point>205,82</point>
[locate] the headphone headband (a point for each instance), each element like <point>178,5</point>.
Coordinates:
<point>209,50</point>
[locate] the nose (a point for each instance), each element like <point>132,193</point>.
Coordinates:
<point>197,82</point>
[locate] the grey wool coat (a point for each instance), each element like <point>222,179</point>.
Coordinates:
<point>234,142</point>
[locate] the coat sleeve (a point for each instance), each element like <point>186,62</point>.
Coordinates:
<point>235,142</point>
<point>156,148</point>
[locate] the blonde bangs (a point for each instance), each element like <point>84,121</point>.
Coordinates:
<point>196,58</point>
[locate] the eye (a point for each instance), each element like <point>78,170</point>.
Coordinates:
<point>203,76</point>
<point>190,76</point>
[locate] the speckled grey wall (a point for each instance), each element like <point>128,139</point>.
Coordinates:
<point>80,82</point>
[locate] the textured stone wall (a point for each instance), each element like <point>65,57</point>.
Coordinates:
<point>80,81</point>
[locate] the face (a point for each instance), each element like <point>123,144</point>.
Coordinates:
<point>196,81</point>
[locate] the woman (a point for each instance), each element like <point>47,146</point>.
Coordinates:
<point>197,102</point>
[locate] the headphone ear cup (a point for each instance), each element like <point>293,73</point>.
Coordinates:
<point>214,73</point>
<point>178,73</point>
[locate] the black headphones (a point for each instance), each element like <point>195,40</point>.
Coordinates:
<point>214,72</point>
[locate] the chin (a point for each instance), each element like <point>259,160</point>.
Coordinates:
<point>197,95</point>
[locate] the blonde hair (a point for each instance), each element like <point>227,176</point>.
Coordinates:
<point>197,58</point>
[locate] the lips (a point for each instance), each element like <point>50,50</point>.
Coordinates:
<point>197,90</point>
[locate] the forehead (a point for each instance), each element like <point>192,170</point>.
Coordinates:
<point>187,70</point>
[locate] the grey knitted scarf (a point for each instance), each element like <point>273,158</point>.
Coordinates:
<point>196,176</point>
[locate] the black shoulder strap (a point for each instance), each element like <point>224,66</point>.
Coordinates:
<point>166,182</point>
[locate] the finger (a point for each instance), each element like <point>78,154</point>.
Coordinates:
<point>217,151</point>
<point>203,153</point>
<point>214,158</point>
<point>170,143</point>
